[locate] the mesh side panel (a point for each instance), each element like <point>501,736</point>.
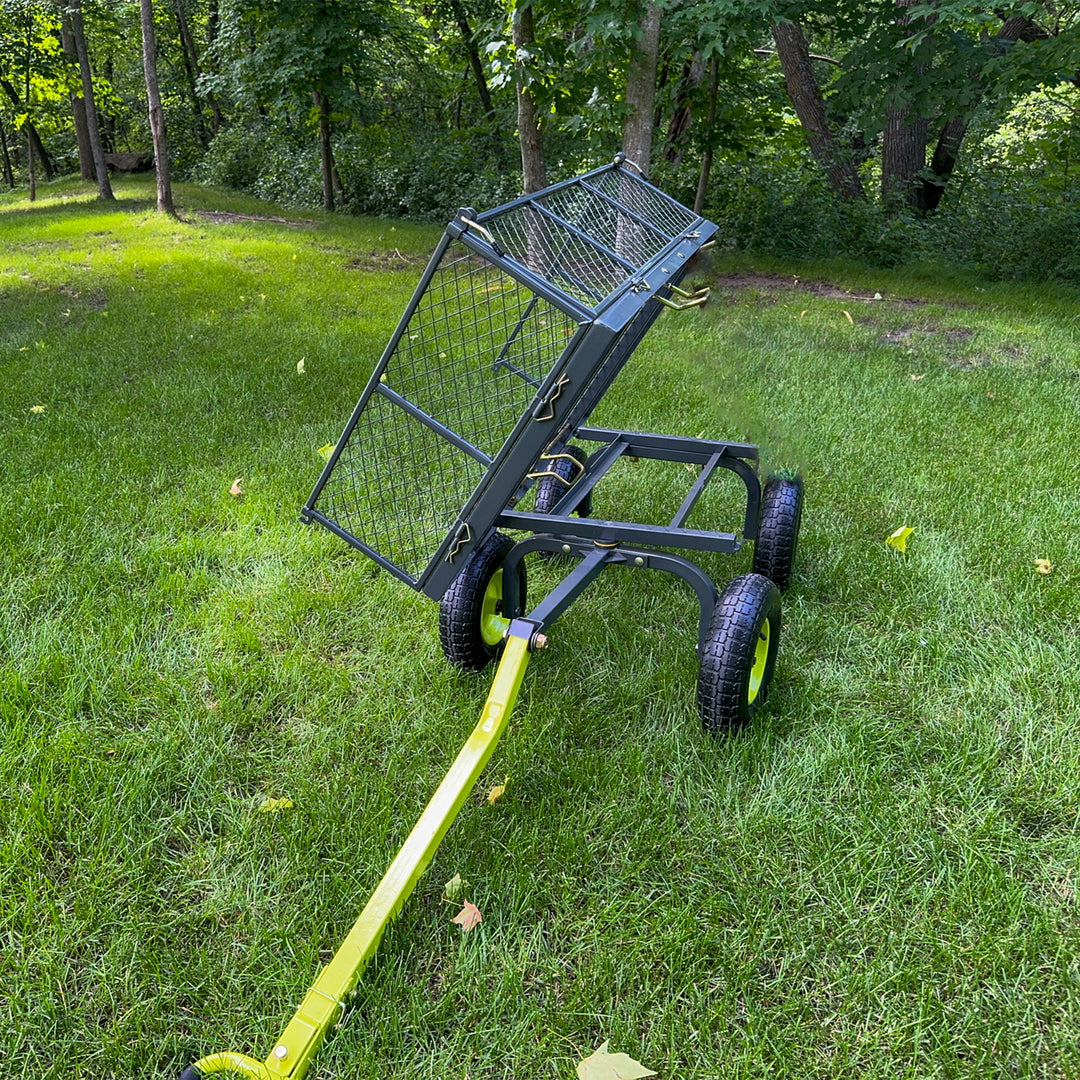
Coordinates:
<point>398,486</point>
<point>633,241</point>
<point>476,348</point>
<point>553,252</point>
<point>472,356</point>
<point>646,202</point>
<point>590,267</point>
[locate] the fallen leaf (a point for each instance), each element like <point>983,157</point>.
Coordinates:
<point>802,313</point>
<point>468,916</point>
<point>300,365</point>
<point>899,539</point>
<point>275,806</point>
<point>327,450</point>
<point>235,490</point>
<point>37,408</point>
<point>600,1065</point>
<point>453,889</point>
<point>497,790</point>
<point>849,318</point>
<point>990,394</point>
<point>1044,566</point>
<point>915,378</point>
<point>878,296</point>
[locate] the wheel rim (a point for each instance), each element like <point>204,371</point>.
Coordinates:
<point>761,658</point>
<point>493,626</point>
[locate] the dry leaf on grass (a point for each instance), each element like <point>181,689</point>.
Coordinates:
<point>497,790</point>
<point>453,889</point>
<point>37,408</point>
<point>236,491</point>
<point>468,916</point>
<point>327,450</point>
<point>1044,566</point>
<point>600,1065</point>
<point>275,806</point>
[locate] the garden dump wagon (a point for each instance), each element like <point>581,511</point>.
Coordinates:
<point>522,319</point>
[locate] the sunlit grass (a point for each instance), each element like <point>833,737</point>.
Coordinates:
<point>876,880</point>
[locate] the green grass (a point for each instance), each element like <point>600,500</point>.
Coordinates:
<point>876,880</point>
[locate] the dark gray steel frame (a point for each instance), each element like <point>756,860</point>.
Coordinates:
<point>606,336</point>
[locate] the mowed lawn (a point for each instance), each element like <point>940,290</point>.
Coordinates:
<point>877,879</point>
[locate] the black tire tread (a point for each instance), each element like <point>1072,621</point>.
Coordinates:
<point>778,531</point>
<point>462,604</point>
<point>727,655</point>
<point>550,491</point>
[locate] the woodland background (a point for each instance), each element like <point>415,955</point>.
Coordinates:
<point>893,132</point>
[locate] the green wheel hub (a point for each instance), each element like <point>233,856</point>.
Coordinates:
<point>761,657</point>
<point>493,626</point>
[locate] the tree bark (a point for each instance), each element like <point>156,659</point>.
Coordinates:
<point>104,187</point>
<point>191,62</point>
<point>475,63</point>
<point>78,106</point>
<point>326,150</point>
<point>683,115</point>
<point>533,170</point>
<point>903,145</point>
<point>809,104</point>
<point>9,173</point>
<point>1016,27</point>
<point>641,92</point>
<point>32,136</point>
<point>157,113</point>
<point>710,121</point>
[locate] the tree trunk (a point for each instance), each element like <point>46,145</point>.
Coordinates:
<point>326,150</point>
<point>78,106</point>
<point>683,116</point>
<point>190,72</point>
<point>710,121</point>
<point>903,145</point>
<point>32,136</point>
<point>809,104</point>
<point>191,62</point>
<point>1017,27</point>
<point>9,173</point>
<point>641,92</point>
<point>475,63</point>
<point>533,170</point>
<point>104,187</point>
<point>157,113</point>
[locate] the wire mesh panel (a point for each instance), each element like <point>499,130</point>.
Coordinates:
<point>517,327</point>
<point>465,368</point>
<point>587,237</point>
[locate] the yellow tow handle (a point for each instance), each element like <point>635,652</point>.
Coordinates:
<point>321,1008</point>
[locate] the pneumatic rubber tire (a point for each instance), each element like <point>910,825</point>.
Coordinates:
<point>470,610</point>
<point>550,491</point>
<point>778,530</point>
<point>739,654</point>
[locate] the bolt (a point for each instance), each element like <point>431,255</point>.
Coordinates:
<point>639,561</point>
<point>281,1052</point>
<point>540,641</point>
<point>566,549</point>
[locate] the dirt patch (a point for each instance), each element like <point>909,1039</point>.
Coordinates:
<point>734,283</point>
<point>222,217</point>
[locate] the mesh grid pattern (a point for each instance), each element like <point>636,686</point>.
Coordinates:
<point>477,347</point>
<point>645,201</point>
<point>591,267</point>
<point>472,356</point>
<point>398,486</point>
